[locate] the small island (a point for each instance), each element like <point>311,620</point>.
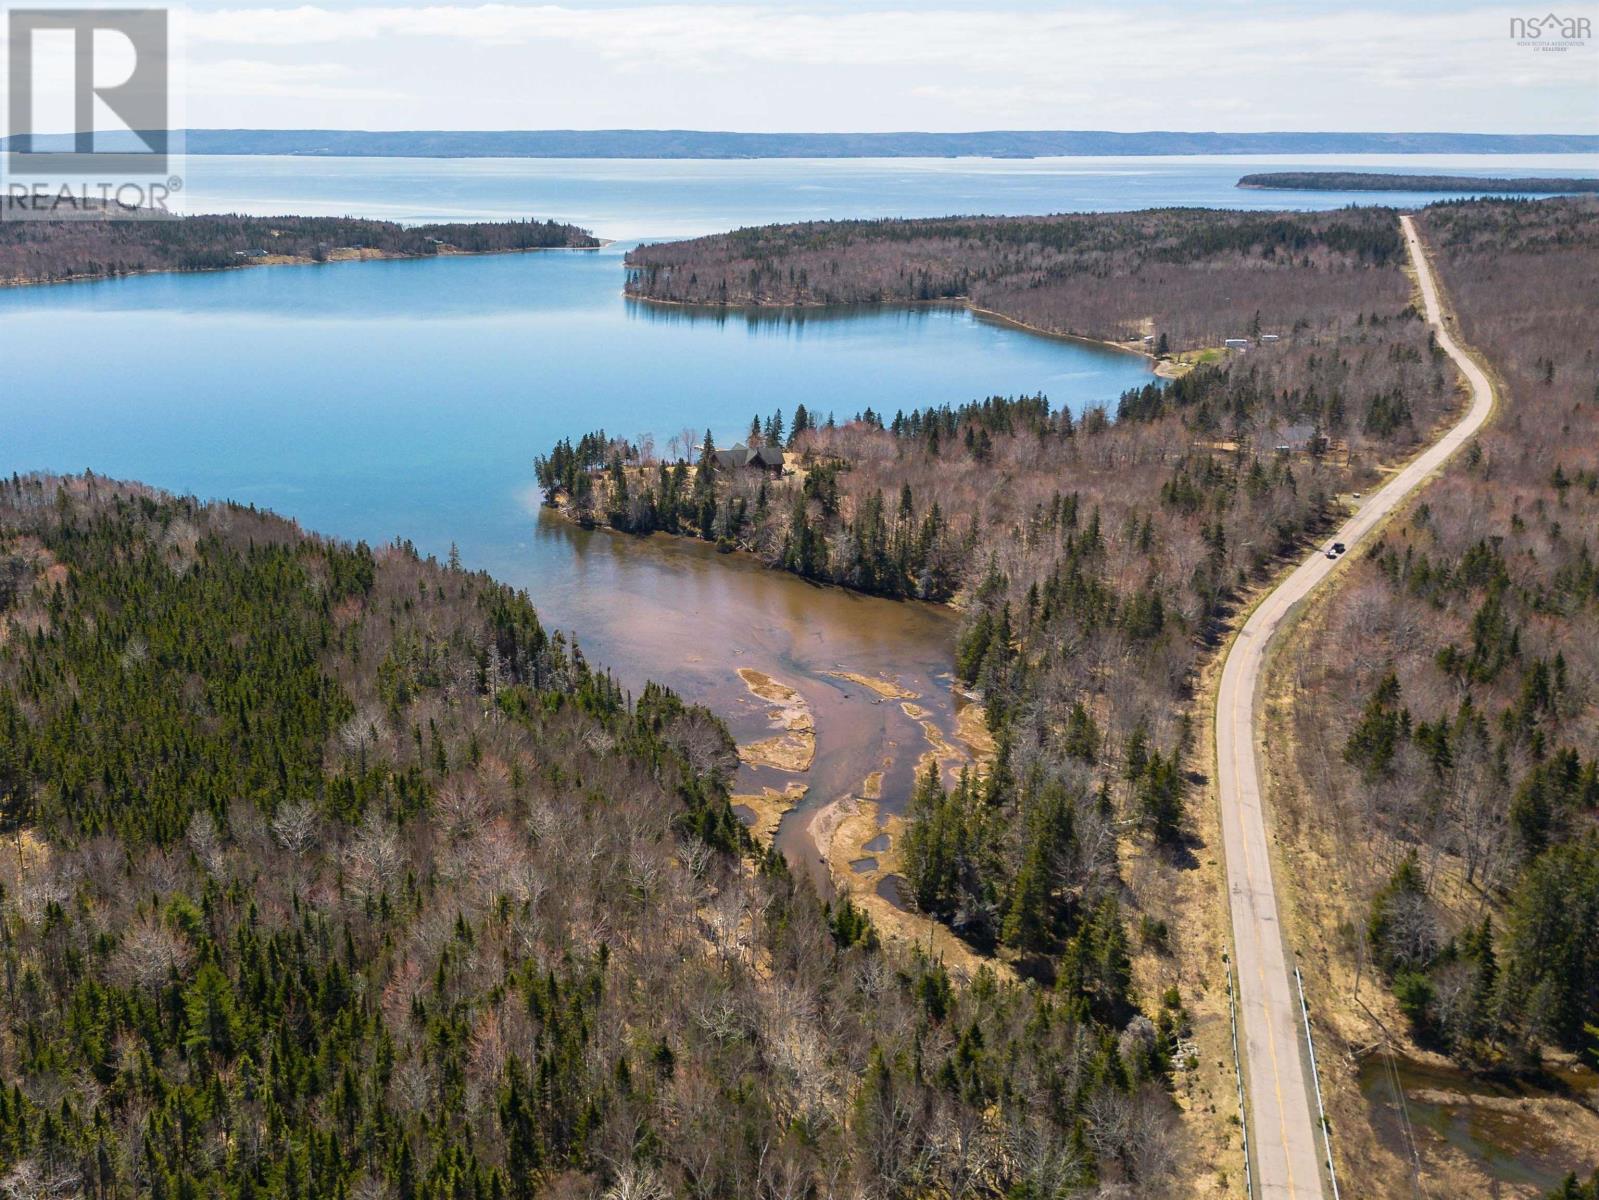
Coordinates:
<point>1377,181</point>
<point>58,251</point>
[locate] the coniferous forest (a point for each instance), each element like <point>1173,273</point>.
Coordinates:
<point>1095,556</point>
<point>1444,716</point>
<point>329,872</point>
<point>1449,695</point>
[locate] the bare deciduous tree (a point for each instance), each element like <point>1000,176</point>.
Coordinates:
<point>150,955</point>
<point>295,826</point>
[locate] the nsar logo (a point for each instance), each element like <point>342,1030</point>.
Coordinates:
<point>1551,32</point>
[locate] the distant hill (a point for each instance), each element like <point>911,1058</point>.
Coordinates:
<point>1371,181</point>
<point>688,143</point>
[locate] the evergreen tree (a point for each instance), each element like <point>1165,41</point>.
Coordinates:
<point>1383,727</point>
<point>210,1014</point>
<point>1160,797</point>
<point>802,424</point>
<point>1551,969</point>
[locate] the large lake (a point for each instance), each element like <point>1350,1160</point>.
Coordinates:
<point>378,400</point>
<point>642,199</point>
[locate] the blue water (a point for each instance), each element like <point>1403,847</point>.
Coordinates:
<point>375,400</point>
<point>379,399</point>
<point>655,199</point>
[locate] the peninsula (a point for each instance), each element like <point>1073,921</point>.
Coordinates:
<point>1158,280</point>
<point>57,251</point>
<point>1380,181</point>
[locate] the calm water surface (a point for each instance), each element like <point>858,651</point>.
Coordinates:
<point>1491,1121</point>
<point>384,399</point>
<point>636,198</point>
<point>408,399</point>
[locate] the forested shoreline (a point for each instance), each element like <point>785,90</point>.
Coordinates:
<point>1095,559</point>
<point>330,872</point>
<point>1381,181</point>
<point>34,251</point>
<point>1183,279</point>
<point>1095,556</point>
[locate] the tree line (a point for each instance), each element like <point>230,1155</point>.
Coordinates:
<point>333,873</point>
<point>1094,560</point>
<point>1451,710</point>
<point>44,251</point>
<point>1103,556</point>
<point>1187,278</point>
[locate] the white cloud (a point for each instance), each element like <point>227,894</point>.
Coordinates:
<point>791,66</point>
<point>308,81</point>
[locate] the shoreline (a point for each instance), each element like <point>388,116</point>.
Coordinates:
<point>290,260</point>
<point>1164,368</point>
<point>1451,186</point>
<point>598,526</point>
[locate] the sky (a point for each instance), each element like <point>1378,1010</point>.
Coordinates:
<point>828,65</point>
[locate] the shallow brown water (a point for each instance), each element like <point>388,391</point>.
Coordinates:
<point>677,611</point>
<point>1493,1123</point>
<point>892,889</point>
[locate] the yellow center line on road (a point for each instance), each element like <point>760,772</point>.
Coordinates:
<point>1239,786</point>
<point>1260,970</point>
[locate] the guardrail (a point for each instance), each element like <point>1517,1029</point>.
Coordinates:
<point>1315,1075</point>
<point>1238,1072</point>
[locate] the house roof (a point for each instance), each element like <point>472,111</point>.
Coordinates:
<point>746,456</point>
<point>1296,437</point>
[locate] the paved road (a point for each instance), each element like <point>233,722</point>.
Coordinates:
<point>1284,1143</point>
